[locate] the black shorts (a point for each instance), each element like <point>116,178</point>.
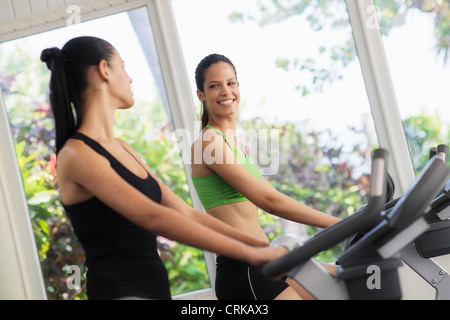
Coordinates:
<point>237,280</point>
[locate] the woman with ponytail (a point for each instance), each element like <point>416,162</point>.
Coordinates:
<point>232,189</point>
<point>116,203</point>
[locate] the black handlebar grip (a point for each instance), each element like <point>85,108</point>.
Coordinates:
<point>433,151</point>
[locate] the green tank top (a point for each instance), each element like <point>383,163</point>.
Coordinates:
<point>214,191</point>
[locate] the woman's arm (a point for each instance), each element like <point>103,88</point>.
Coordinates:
<point>289,208</point>
<point>83,166</point>
<point>171,200</point>
<point>261,193</point>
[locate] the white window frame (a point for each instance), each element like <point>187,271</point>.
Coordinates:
<point>20,270</point>
<point>380,91</point>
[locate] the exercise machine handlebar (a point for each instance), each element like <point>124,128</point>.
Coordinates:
<point>419,196</point>
<point>410,208</point>
<point>360,221</point>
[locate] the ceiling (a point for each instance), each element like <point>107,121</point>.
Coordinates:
<point>20,18</point>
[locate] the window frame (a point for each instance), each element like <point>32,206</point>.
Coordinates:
<point>380,91</point>
<point>22,274</point>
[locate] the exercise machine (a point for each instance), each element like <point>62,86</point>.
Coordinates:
<point>434,242</point>
<point>385,234</point>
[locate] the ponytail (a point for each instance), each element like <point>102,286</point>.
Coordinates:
<point>69,80</point>
<point>205,116</point>
<point>61,96</point>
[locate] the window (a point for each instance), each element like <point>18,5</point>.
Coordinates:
<point>416,42</point>
<point>300,82</point>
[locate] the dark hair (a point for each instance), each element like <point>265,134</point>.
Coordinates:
<point>69,80</point>
<point>207,62</point>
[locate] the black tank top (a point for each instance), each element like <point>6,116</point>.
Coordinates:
<point>121,257</point>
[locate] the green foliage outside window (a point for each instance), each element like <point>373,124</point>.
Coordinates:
<point>333,14</point>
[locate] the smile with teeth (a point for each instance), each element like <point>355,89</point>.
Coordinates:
<point>224,102</point>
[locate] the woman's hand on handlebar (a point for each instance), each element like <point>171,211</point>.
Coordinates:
<point>261,256</point>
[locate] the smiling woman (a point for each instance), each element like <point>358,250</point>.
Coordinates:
<point>225,92</point>
<point>231,187</point>
<point>315,136</point>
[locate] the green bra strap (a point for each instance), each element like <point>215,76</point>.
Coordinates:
<point>237,155</point>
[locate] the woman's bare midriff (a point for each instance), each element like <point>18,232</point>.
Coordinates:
<point>242,216</point>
